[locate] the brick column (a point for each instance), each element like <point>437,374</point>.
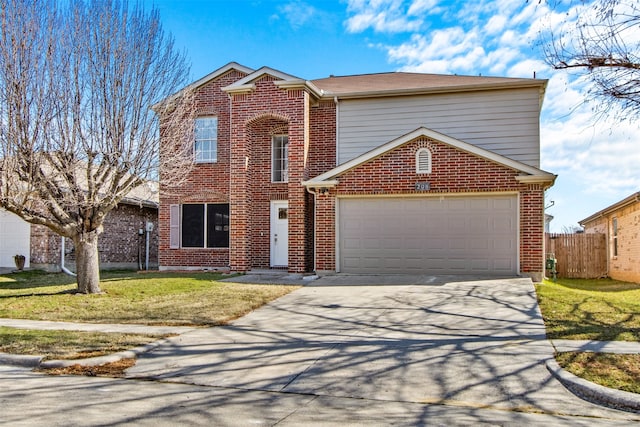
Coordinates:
<point>239,199</point>
<point>532,231</point>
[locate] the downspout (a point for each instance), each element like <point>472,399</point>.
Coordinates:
<point>315,240</point>
<point>335,100</point>
<point>62,267</point>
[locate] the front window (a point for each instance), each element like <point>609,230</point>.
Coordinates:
<point>205,225</point>
<point>280,158</point>
<point>206,144</point>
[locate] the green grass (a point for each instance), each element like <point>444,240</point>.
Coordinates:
<point>197,299</point>
<point>619,371</point>
<point>68,344</point>
<point>602,309</point>
<point>144,298</point>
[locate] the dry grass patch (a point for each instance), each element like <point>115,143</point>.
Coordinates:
<point>619,371</point>
<point>113,369</point>
<point>69,344</point>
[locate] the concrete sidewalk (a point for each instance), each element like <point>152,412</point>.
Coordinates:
<point>465,343</point>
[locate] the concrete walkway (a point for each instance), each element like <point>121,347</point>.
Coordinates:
<point>467,344</point>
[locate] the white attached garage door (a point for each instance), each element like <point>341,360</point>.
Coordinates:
<point>14,238</point>
<point>429,235</point>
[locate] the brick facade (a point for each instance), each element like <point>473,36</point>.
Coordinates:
<point>206,183</point>
<point>249,114</point>
<point>119,246</point>
<point>453,172</point>
<point>625,264</point>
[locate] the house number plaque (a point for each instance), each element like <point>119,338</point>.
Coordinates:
<point>423,186</point>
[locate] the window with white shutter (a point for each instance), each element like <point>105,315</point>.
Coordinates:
<point>174,226</point>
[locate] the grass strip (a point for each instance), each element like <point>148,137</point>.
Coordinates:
<point>55,344</point>
<point>619,371</point>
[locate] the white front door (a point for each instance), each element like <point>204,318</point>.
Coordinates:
<point>279,233</point>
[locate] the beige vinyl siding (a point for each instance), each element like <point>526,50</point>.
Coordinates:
<point>502,121</point>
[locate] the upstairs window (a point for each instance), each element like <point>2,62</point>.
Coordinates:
<point>206,144</point>
<point>423,161</point>
<point>280,158</point>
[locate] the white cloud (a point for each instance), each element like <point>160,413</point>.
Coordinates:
<point>496,24</point>
<point>429,7</point>
<point>384,16</point>
<point>596,162</point>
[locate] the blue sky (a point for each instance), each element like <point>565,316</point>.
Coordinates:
<point>596,163</point>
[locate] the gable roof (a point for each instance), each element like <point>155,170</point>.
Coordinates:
<point>635,197</point>
<point>529,175</point>
<point>219,72</point>
<point>397,83</point>
<point>283,81</point>
<point>206,79</point>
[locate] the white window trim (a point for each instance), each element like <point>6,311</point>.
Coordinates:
<point>273,160</point>
<point>420,167</point>
<point>614,237</point>
<point>195,142</point>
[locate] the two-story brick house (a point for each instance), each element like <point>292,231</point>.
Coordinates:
<point>379,173</point>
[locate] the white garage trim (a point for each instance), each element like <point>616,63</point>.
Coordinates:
<point>504,257</point>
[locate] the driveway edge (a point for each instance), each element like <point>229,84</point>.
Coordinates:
<point>594,393</point>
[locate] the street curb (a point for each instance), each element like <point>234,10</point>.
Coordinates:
<point>594,393</point>
<point>38,362</point>
<point>25,360</point>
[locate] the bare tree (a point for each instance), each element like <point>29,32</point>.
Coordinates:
<point>77,80</point>
<point>602,39</point>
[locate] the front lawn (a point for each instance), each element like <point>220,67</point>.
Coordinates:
<point>578,309</point>
<point>602,310</point>
<point>198,299</point>
<point>193,299</point>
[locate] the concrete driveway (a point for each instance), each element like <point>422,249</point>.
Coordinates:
<point>460,343</point>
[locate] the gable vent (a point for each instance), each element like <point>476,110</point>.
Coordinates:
<point>423,161</point>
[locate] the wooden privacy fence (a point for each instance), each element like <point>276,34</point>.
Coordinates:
<point>580,256</point>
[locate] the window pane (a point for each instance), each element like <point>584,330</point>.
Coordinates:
<point>218,226</point>
<point>193,226</point>
<point>280,158</point>
<point>206,144</point>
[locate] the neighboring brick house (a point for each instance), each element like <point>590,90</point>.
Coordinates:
<point>121,245</point>
<point>379,173</point>
<point>620,223</point>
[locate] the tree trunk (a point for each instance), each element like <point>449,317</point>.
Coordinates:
<point>87,262</point>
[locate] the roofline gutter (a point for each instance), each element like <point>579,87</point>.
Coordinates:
<point>635,197</point>
<point>541,84</point>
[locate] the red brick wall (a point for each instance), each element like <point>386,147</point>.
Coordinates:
<point>322,158</point>
<point>453,171</point>
<point>205,183</point>
<point>119,245</point>
<point>256,116</point>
